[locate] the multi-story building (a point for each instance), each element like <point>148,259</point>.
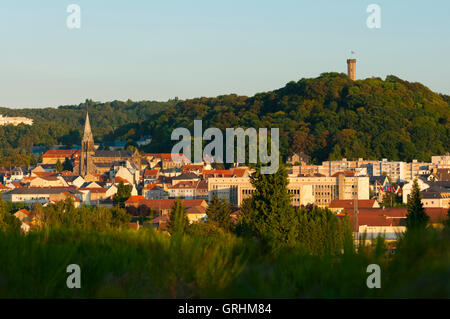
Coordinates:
<point>416,169</point>
<point>304,190</point>
<point>42,194</point>
<point>441,159</point>
<point>395,170</point>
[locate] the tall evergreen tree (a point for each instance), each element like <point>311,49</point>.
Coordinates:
<point>416,218</point>
<point>219,212</point>
<point>67,165</point>
<point>59,166</point>
<point>268,214</point>
<point>178,221</point>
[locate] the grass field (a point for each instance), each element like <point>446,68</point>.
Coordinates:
<point>126,264</point>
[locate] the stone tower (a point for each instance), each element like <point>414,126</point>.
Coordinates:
<point>87,150</point>
<point>351,69</point>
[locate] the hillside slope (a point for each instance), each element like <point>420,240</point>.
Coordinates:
<point>328,117</point>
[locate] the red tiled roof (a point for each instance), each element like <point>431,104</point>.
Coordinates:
<point>164,204</point>
<point>196,210</point>
<point>135,199</point>
<point>149,186</point>
<point>437,215</point>
<point>59,153</point>
<point>151,172</point>
<point>23,210</point>
<point>119,179</point>
<point>391,216</point>
<point>217,173</point>
<point>44,174</point>
<point>168,156</point>
<point>239,172</point>
<point>348,203</point>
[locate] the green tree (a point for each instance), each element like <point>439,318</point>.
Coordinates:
<point>67,165</point>
<point>59,167</point>
<point>219,212</point>
<point>447,222</point>
<point>120,217</point>
<point>178,221</point>
<point>391,199</point>
<point>8,222</point>
<point>268,214</point>
<point>416,218</point>
<point>123,193</point>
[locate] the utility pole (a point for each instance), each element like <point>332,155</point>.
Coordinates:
<point>355,209</point>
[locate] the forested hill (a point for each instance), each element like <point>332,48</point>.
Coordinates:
<point>328,117</point>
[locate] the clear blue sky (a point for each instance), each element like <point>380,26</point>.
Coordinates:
<point>156,50</point>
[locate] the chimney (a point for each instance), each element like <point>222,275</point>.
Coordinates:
<point>351,69</point>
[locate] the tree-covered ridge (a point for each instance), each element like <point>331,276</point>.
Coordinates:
<point>328,117</point>
<point>64,125</point>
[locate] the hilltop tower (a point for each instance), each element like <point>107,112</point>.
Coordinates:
<point>351,69</point>
<point>87,150</point>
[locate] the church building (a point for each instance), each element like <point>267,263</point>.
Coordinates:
<point>92,161</point>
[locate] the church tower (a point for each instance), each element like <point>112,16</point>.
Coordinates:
<point>87,150</point>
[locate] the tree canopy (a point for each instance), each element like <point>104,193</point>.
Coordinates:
<point>328,117</point>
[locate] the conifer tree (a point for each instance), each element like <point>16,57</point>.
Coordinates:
<point>416,218</point>
<point>268,214</point>
<point>219,211</point>
<point>59,166</point>
<point>67,165</point>
<point>178,221</point>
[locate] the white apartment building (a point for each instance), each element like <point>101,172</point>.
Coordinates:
<point>304,190</point>
<point>395,170</point>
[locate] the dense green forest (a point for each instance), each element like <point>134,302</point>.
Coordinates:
<point>328,117</point>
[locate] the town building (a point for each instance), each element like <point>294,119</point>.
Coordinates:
<point>304,190</point>
<point>94,161</point>
<point>6,120</point>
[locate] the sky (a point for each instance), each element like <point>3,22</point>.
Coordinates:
<point>157,50</point>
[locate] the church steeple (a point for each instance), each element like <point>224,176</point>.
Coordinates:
<point>88,138</point>
<point>87,150</point>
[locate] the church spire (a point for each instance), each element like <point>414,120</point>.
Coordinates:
<point>87,125</point>
<point>87,150</point>
<point>88,138</point>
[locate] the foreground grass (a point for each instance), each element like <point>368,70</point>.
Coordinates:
<point>125,264</point>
